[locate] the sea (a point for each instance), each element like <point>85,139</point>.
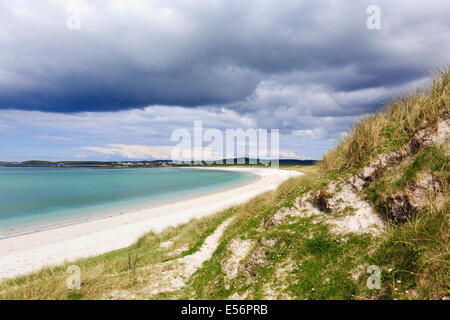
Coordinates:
<point>40,198</point>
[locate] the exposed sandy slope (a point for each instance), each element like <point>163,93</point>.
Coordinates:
<point>172,275</point>
<point>28,253</point>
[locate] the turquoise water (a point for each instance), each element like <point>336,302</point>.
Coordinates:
<point>38,198</point>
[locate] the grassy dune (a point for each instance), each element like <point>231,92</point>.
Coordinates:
<point>299,257</point>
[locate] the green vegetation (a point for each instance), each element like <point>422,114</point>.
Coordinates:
<point>298,256</point>
<point>389,129</point>
<point>117,270</point>
<point>417,255</point>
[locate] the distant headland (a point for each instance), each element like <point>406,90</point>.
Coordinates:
<point>150,163</point>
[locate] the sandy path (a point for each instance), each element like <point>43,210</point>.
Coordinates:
<point>24,254</point>
<point>183,268</point>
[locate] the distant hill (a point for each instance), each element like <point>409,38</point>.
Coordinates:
<point>235,161</point>
<point>248,161</point>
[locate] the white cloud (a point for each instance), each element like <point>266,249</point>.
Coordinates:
<point>134,151</point>
<point>316,133</point>
<point>168,152</point>
<point>155,152</point>
<point>285,154</point>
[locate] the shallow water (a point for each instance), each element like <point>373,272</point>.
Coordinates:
<point>39,198</point>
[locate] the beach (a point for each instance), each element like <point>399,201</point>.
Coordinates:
<point>29,253</point>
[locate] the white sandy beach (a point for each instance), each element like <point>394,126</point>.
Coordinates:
<point>27,253</point>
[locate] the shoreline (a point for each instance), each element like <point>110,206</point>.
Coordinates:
<point>31,252</point>
<point>132,208</point>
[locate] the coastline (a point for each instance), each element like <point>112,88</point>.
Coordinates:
<point>110,210</point>
<point>30,252</point>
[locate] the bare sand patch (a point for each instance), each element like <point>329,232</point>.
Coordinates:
<point>239,250</point>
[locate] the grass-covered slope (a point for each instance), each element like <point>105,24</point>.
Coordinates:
<point>380,198</point>
<point>390,128</point>
<point>418,251</point>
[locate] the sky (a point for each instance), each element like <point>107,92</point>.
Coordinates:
<point>113,79</point>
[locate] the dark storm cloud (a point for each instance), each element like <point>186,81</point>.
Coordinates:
<point>201,53</point>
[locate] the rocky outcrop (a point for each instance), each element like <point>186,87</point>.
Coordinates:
<point>405,204</point>
<point>436,133</point>
<point>402,206</point>
<point>398,207</point>
<point>427,186</point>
